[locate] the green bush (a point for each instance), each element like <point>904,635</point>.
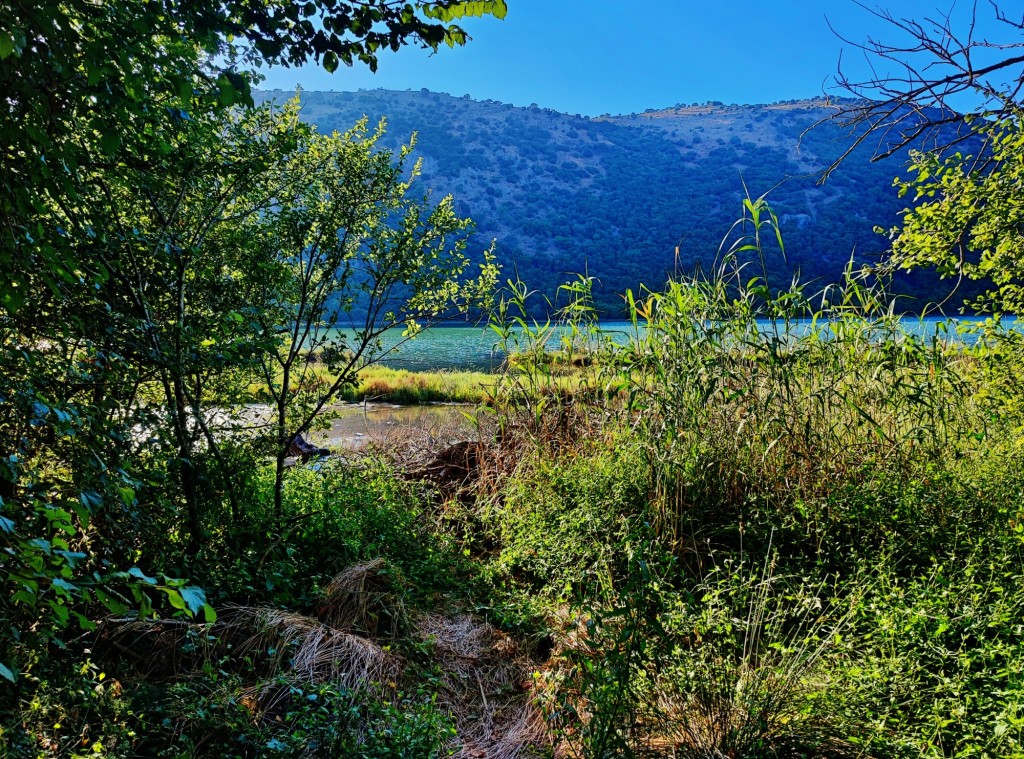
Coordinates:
<point>562,520</point>
<point>335,515</point>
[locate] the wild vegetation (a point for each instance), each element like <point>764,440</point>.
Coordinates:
<point>797,541</point>
<point>772,523</point>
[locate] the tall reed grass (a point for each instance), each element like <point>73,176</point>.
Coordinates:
<point>736,414</point>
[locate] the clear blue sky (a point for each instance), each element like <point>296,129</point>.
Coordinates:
<point>620,56</point>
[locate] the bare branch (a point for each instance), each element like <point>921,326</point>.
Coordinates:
<point>913,94</point>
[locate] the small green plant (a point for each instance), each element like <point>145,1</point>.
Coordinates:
<point>600,704</point>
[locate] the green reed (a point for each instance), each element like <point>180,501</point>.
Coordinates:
<point>734,412</point>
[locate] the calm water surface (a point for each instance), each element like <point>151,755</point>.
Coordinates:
<point>476,347</point>
<point>355,426</point>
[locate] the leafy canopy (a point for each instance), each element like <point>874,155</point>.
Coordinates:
<point>971,221</point>
<point>85,83</point>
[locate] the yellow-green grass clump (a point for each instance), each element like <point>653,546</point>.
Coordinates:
<point>381,383</point>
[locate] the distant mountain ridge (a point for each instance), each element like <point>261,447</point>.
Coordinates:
<point>632,198</point>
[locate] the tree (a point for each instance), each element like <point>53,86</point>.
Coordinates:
<point>939,69</point>
<point>967,215</point>
<point>968,222</point>
<point>346,240</point>
<point>94,95</point>
<point>174,303</point>
<point>83,82</point>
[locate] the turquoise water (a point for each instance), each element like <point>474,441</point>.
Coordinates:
<point>465,347</point>
<point>476,347</point>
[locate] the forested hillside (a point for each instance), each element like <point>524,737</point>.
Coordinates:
<point>631,198</point>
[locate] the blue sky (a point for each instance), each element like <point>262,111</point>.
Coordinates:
<point>620,56</point>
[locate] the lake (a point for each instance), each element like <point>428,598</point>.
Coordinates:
<point>469,347</point>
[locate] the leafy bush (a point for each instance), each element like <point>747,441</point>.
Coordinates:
<point>562,520</point>
<point>335,515</point>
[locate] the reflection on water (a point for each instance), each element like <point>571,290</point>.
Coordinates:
<point>476,348</point>
<point>357,425</point>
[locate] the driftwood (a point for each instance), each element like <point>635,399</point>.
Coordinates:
<point>301,449</point>
<point>455,466</point>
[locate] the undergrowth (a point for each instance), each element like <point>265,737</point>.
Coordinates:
<point>777,523</point>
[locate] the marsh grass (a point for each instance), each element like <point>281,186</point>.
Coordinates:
<point>405,387</point>
<point>739,418</point>
<point>381,383</point>
<point>809,486</point>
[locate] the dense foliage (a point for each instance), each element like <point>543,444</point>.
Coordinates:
<point>969,223</point>
<point>91,85</point>
<point>720,540</point>
<point>773,522</point>
<point>138,294</point>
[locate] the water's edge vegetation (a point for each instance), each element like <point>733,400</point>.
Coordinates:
<point>713,539</point>
<point>767,518</point>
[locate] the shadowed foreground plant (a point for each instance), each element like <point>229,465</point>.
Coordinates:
<point>746,664</point>
<point>598,704</point>
<point>755,670</point>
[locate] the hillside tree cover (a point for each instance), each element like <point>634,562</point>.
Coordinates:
<point>635,199</point>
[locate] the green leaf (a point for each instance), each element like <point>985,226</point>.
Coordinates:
<point>91,499</point>
<point>64,585</point>
<point>139,575</point>
<point>5,671</point>
<point>61,612</point>
<point>496,8</point>
<point>110,143</point>
<point>6,48</point>
<point>185,89</point>
<point>175,599</point>
<point>84,622</point>
<point>112,604</point>
<point>330,62</point>
<point>226,92</point>
<point>73,558</point>
<point>24,597</point>
<point>194,598</point>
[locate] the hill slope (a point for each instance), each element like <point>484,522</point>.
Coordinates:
<point>616,196</point>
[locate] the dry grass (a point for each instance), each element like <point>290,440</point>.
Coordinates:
<point>487,686</point>
<point>308,650</point>
<point>485,681</point>
<point>305,652</point>
<point>366,598</point>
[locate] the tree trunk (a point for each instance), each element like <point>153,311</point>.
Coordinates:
<point>282,448</point>
<point>193,516</point>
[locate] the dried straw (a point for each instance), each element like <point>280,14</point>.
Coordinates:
<point>486,686</point>
<point>366,598</point>
<point>309,651</point>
